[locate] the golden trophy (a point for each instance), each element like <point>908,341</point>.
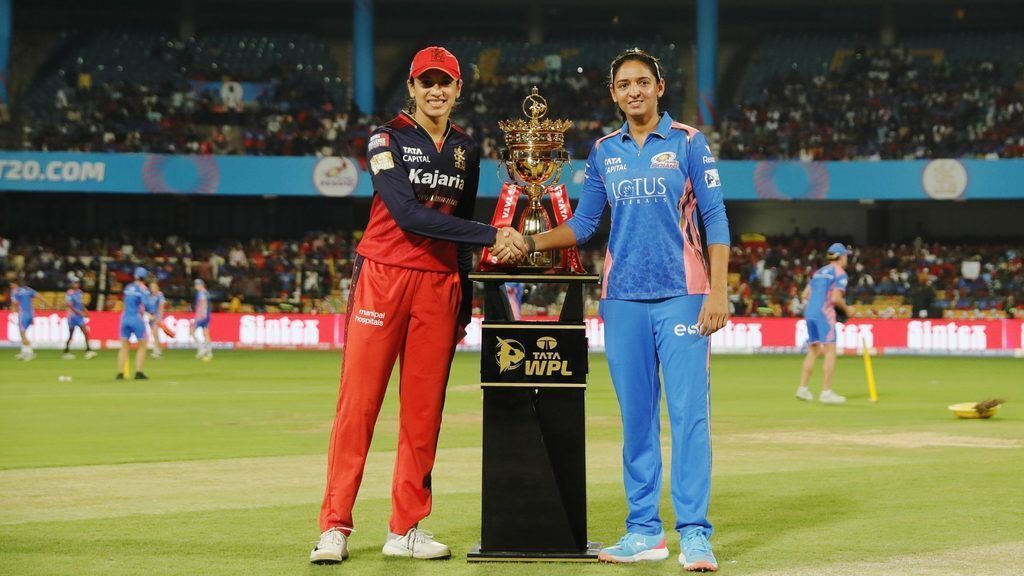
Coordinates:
<point>534,157</point>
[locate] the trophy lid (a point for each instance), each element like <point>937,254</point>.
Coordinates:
<point>546,134</point>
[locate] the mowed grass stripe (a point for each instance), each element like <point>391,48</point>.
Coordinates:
<point>104,491</point>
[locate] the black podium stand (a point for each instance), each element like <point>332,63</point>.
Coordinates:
<point>534,379</point>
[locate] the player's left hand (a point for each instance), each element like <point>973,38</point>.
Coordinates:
<point>713,314</point>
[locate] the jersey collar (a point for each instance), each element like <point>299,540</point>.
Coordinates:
<point>420,128</point>
<point>661,130</point>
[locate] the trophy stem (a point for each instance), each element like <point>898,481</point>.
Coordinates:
<point>535,220</point>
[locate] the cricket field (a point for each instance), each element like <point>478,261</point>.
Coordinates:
<point>218,468</point>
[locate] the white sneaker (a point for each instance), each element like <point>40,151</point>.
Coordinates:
<point>415,543</point>
<point>28,356</point>
<point>156,355</point>
<point>830,397</point>
<point>200,353</point>
<point>89,355</point>
<point>804,393</point>
<point>68,356</point>
<point>19,356</point>
<point>331,548</point>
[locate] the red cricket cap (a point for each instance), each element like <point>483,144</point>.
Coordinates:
<point>435,58</point>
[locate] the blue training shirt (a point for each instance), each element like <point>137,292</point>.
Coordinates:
<point>658,195</point>
<point>153,303</point>
<point>24,295</point>
<point>134,302</point>
<point>202,296</point>
<point>73,298</point>
<point>825,280</point>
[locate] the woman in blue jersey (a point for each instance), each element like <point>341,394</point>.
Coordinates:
<point>155,305</point>
<point>825,292</point>
<point>133,323</point>
<point>661,301</point>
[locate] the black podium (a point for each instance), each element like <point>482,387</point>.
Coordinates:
<point>534,380</point>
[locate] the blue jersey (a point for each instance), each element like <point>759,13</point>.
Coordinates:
<point>659,195</point>
<point>202,305</point>
<point>134,302</point>
<point>73,299</point>
<point>23,296</point>
<point>825,280</point>
<point>153,303</point>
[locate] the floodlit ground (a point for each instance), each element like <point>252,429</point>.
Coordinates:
<point>218,468</point>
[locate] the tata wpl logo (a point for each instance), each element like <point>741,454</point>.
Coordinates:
<point>547,362</point>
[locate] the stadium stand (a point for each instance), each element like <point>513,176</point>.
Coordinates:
<point>303,274</point>
<point>917,279</point>
<point>812,98</point>
<point>139,90</point>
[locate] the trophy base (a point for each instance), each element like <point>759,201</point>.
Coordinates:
<point>588,555</point>
<point>535,270</point>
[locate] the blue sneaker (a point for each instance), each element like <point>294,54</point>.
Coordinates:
<point>696,554</point>
<point>635,548</point>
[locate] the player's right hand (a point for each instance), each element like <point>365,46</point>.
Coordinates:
<point>509,246</point>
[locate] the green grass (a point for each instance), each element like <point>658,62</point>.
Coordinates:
<point>218,468</point>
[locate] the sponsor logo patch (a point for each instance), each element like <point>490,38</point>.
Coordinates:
<point>382,161</point>
<point>379,140</point>
<point>712,179</point>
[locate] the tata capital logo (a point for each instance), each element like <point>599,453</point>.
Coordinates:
<point>335,176</point>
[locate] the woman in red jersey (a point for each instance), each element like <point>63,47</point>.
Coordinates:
<point>410,299</point>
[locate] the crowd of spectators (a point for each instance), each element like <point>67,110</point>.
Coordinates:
<point>929,279</point>
<point>280,274</point>
<point>299,114</point>
<point>313,273</point>
<point>879,105</point>
<point>295,116</point>
<point>578,95</point>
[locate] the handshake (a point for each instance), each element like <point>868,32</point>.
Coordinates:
<point>511,247</point>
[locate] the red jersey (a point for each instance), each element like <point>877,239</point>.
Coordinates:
<point>424,193</point>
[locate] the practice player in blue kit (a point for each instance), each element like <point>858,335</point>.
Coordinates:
<point>21,300</point>
<point>155,305</point>
<point>78,318</point>
<point>201,322</point>
<point>133,323</point>
<point>662,299</point>
<point>824,293</point>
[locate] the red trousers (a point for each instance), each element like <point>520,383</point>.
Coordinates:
<point>393,313</point>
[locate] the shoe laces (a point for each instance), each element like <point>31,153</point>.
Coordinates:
<point>334,536</point>
<point>695,541</point>
<point>632,540</point>
<point>418,536</point>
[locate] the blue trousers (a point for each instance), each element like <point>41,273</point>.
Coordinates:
<point>640,338</point>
